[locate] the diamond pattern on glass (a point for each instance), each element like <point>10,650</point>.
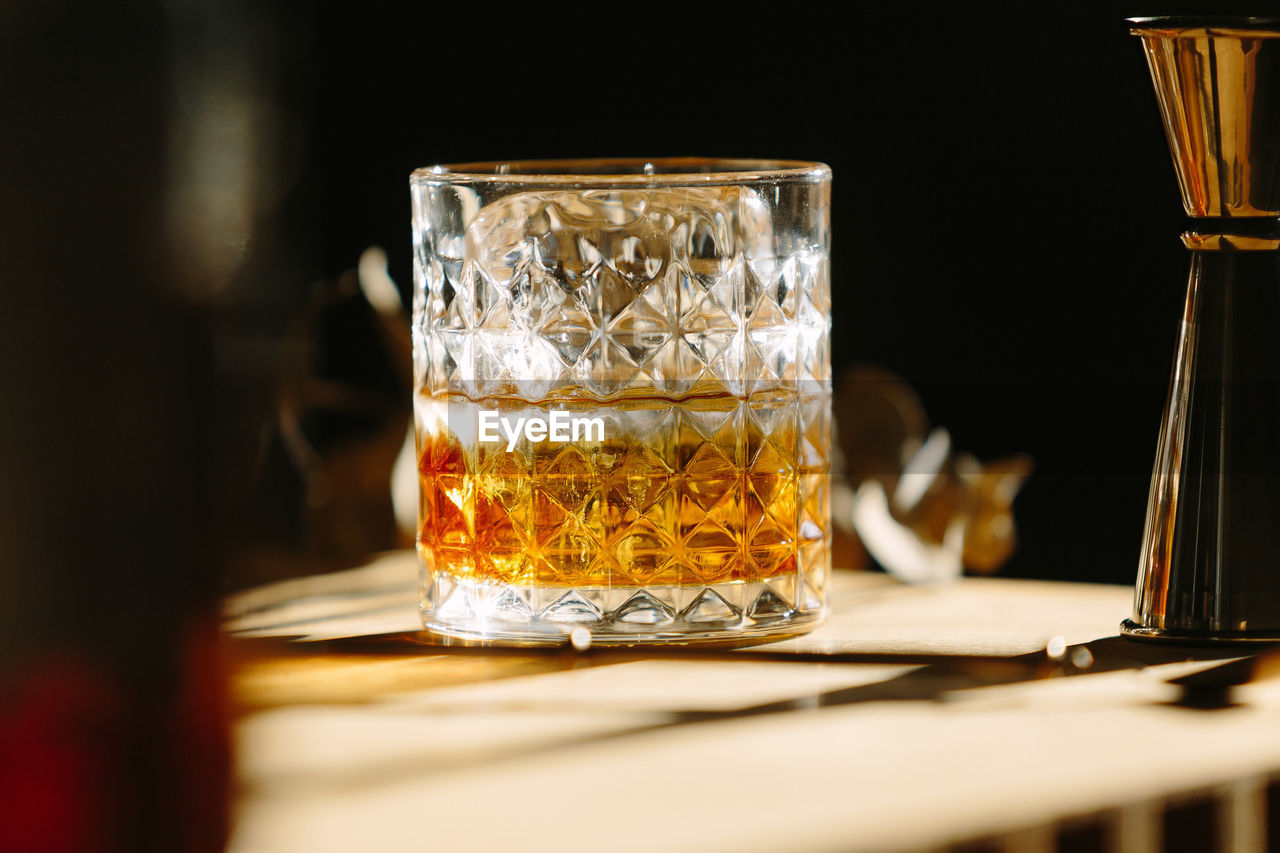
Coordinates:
<point>703,339</point>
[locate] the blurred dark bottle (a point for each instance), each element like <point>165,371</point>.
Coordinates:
<point>113,729</point>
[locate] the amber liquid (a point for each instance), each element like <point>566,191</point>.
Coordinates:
<point>693,491</point>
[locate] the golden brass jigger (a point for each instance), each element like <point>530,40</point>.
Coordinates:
<point>1210,564</point>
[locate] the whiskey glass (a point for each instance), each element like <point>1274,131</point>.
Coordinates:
<point>622,399</point>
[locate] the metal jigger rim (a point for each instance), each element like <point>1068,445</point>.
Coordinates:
<point>1205,22</point>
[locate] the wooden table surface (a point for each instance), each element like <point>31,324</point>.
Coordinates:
<point>916,718</point>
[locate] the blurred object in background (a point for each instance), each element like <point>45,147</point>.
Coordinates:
<point>909,501</point>
<point>320,498</point>
<point>311,365</point>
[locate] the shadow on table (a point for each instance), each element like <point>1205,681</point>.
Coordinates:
<point>933,678</point>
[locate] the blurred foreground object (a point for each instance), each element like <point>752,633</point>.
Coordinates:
<point>113,733</point>
<point>921,509</point>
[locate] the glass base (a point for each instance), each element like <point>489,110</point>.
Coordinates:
<point>1134,631</point>
<point>620,615</point>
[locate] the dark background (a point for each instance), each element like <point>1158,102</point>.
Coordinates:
<point>1005,211</point>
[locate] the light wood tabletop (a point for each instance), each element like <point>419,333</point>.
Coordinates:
<point>915,718</point>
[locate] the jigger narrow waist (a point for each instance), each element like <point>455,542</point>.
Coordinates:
<point>1233,234</point>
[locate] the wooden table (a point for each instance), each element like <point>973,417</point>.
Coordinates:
<point>916,718</point>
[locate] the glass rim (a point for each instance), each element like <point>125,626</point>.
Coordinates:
<point>622,172</point>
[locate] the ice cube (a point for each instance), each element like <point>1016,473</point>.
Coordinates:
<point>595,285</point>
